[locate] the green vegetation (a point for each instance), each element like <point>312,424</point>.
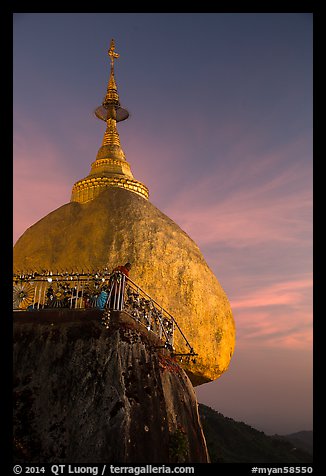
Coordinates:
<point>178,446</point>
<point>229,441</point>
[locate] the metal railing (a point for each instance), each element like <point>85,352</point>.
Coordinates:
<point>101,290</point>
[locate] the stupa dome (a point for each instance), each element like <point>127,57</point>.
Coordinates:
<point>109,221</point>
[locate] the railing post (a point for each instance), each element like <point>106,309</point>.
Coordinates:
<point>122,296</point>
<point>82,294</point>
<point>115,289</point>
<point>150,315</point>
<point>161,324</point>
<point>119,281</point>
<point>108,300</point>
<point>77,292</point>
<point>39,296</point>
<point>34,296</point>
<point>172,336</point>
<point>44,296</point>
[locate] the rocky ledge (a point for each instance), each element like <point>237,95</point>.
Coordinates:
<point>84,393</point>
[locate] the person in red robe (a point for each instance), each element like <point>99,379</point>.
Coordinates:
<point>125,268</point>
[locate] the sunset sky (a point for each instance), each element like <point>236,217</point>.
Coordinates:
<point>220,131</point>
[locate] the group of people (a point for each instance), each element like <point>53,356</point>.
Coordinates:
<point>63,295</point>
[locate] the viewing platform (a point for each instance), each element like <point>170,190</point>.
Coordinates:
<point>108,297</point>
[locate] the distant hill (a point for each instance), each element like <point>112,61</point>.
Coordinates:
<point>230,441</point>
<point>301,439</point>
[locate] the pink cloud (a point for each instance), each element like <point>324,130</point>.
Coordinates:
<point>240,220</point>
<point>280,293</point>
<point>282,329</point>
<point>40,184</point>
<point>278,315</point>
<point>249,205</point>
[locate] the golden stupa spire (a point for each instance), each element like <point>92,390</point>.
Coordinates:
<point>110,168</point>
<point>112,92</point>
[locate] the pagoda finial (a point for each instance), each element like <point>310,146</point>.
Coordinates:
<point>110,168</point>
<point>110,107</point>
<point>112,97</point>
<point>112,53</point>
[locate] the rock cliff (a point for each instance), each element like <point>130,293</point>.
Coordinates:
<point>84,393</point>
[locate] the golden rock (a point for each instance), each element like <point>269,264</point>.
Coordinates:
<point>119,226</point>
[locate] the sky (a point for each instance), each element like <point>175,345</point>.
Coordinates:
<point>220,131</point>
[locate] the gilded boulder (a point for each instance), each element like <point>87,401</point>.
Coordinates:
<point>118,226</point>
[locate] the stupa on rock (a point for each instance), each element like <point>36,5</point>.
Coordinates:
<point>109,221</point>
